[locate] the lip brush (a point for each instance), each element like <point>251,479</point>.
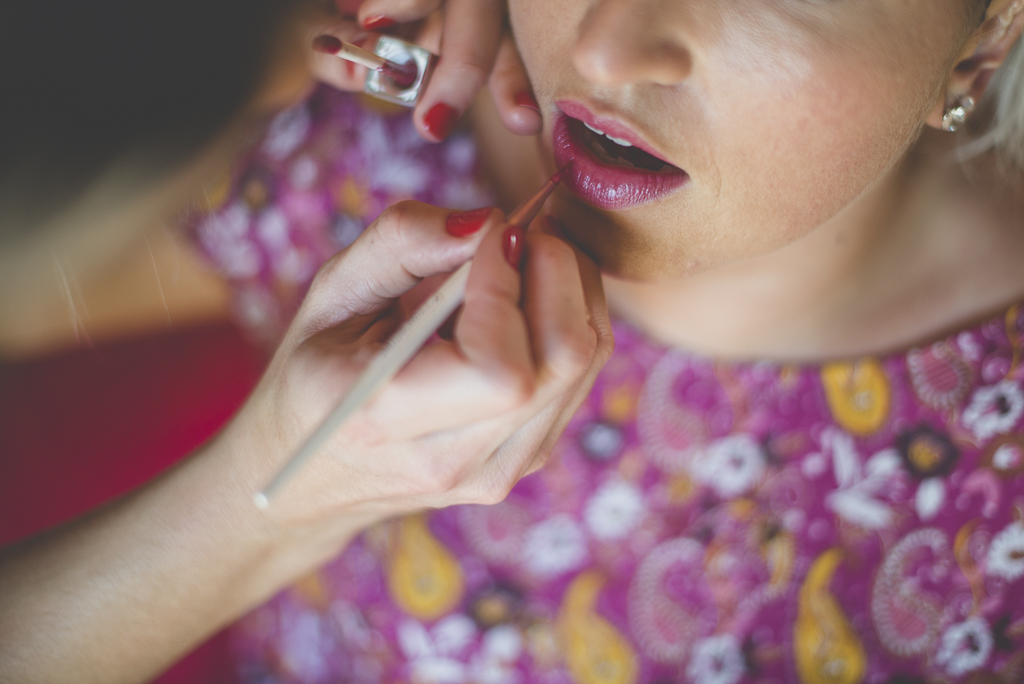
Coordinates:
<point>399,349</point>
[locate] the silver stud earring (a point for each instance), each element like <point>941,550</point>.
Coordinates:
<point>957,113</point>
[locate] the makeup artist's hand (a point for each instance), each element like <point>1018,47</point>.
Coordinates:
<point>468,416</point>
<point>187,553</point>
<point>476,50</point>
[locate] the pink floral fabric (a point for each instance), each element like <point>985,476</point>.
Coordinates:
<point>699,521</point>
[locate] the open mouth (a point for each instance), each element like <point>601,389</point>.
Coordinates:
<point>618,151</point>
<point>608,171</point>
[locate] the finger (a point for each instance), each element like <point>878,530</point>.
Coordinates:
<point>378,15</point>
<point>555,305</point>
<point>472,29</point>
<point>599,321</point>
<point>511,91</point>
<point>406,243</point>
<point>486,371</point>
<point>328,68</point>
<point>492,327</point>
<point>563,297</point>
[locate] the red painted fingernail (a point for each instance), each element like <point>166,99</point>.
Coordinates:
<point>524,98</point>
<point>326,44</point>
<point>440,120</point>
<point>378,23</point>
<point>463,223</point>
<point>512,244</point>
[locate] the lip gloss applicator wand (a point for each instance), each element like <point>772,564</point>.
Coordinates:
<point>402,346</point>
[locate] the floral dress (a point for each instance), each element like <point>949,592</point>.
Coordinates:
<point>699,521</point>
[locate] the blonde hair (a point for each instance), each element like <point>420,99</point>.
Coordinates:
<point>1004,106</point>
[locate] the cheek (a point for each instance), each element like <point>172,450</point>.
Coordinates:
<point>545,33</point>
<point>793,152</point>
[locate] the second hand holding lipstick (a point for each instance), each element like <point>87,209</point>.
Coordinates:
<point>402,346</point>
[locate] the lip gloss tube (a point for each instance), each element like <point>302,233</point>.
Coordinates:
<point>397,71</point>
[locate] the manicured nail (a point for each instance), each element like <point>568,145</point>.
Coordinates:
<point>512,244</point>
<point>440,120</point>
<point>524,98</point>
<point>378,23</point>
<point>463,223</point>
<point>326,44</point>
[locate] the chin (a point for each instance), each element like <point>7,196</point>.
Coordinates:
<point>620,249</point>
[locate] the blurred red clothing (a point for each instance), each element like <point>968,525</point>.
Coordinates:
<point>81,428</point>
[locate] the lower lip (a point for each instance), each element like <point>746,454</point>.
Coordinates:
<point>603,185</point>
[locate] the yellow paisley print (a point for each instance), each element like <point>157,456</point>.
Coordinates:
<point>619,404</point>
<point>313,591</point>
<point>858,394</point>
<point>424,577</point>
<point>827,650</point>
<point>595,652</point>
<point>779,553</point>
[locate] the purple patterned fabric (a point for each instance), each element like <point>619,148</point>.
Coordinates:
<point>703,521</point>
<point>320,173</point>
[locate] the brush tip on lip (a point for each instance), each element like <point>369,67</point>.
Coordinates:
<point>560,173</point>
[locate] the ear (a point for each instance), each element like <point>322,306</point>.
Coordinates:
<point>983,53</point>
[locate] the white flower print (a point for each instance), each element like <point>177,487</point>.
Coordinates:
<point>860,486</point>
<point>445,654</point>
<point>554,546</point>
<point>994,410</point>
<point>272,230</point>
<point>965,646</point>
<point>401,176</point>
<point>968,346</point>
<point>304,643</point>
<point>500,650</point>
<point>303,173</point>
<point>1007,457</point>
<point>601,441</point>
<point>286,132</point>
<point>931,494</point>
<point>614,510</point>
<point>731,466</point>
<point>716,660</point>
<point>1006,554</point>
<point>434,656</point>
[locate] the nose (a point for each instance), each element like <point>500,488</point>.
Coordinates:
<point>631,41</point>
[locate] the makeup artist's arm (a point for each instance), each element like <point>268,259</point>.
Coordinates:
<point>476,48</point>
<point>118,595</point>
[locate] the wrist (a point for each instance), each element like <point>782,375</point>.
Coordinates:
<point>286,540</point>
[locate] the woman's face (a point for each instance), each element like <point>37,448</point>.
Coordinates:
<point>773,115</point>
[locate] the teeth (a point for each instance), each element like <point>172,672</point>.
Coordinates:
<point>617,141</point>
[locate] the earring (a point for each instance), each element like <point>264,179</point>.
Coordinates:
<point>957,114</point>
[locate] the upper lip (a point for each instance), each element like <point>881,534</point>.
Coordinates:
<point>609,125</point>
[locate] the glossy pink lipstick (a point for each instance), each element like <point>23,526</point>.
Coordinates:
<point>610,166</point>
